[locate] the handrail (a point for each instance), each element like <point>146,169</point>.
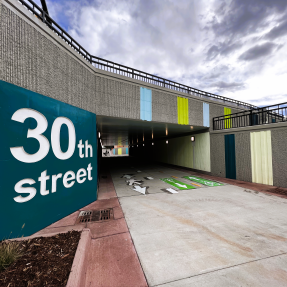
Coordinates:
<point>264,115</point>
<point>121,69</point>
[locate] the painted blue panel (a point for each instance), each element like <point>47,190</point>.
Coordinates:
<point>145,104</point>
<point>41,207</point>
<point>127,150</point>
<point>205,115</point>
<point>114,151</point>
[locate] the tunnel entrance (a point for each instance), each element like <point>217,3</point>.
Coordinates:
<point>152,142</point>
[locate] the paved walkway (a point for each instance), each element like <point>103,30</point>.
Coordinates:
<point>207,236</point>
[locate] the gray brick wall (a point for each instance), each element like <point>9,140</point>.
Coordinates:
<point>215,111</point>
<point>217,155</point>
<point>243,156</point>
<point>164,107</point>
<point>195,110</point>
<point>279,156</point>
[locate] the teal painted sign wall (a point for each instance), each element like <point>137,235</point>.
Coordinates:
<point>48,160</point>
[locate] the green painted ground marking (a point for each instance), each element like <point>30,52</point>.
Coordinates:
<point>203,181</point>
<point>178,184</point>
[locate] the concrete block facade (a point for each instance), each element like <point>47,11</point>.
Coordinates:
<point>279,156</point>
<point>243,152</point>
<point>35,58</point>
<point>217,155</point>
<point>243,157</point>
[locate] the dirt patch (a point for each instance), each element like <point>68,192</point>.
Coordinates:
<point>46,261</point>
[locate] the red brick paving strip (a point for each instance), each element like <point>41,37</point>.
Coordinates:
<point>112,260</point>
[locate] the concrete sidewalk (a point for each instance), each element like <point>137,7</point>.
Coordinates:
<point>209,236</point>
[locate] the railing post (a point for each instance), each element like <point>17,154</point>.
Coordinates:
<point>43,16</point>
<point>251,118</point>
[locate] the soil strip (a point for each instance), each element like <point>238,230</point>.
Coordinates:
<point>46,261</point>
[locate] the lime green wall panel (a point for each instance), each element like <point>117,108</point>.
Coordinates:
<point>261,157</point>
<point>182,111</point>
<point>227,122</point>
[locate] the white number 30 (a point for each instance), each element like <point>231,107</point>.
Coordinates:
<point>42,124</point>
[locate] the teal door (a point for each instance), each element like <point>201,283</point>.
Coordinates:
<point>230,162</point>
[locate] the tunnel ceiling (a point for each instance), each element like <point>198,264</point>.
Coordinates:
<point>119,131</point>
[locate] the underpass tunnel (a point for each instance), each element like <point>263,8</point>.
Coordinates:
<point>126,141</point>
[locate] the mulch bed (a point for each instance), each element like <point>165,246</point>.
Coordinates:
<point>46,261</point>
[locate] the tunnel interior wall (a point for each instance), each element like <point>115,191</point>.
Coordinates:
<point>178,151</point>
<point>260,154</point>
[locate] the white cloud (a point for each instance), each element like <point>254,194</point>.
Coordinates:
<point>217,46</point>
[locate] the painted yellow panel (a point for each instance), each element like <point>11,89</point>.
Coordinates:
<point>227,123</point>
<point>182,111</point>
<point>119,151</point>
<point>261,157</point>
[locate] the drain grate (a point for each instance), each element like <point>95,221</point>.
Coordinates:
<point>86,216</point>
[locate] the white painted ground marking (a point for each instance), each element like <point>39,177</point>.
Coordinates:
<point>148,177</point>
<point>133,181</point>
<point>171,190</point>
<point>140,189</point>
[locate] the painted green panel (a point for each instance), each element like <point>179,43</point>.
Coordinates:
<point>261,157</point>
<point>230,162</point>
<point>227,122</point>
<point>38,202</point>
<point>182,111</point>
<point>178,184</point>
<point>203,181</point>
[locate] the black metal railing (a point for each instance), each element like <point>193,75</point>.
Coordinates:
<point>121,69</point>
<point>265,115</point>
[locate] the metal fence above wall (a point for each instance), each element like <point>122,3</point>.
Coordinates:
<point>121,69</point>
<point>266,115</point>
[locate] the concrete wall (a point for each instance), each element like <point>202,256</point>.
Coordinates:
<point>35,58</point>
<point>179,151</point>
<point>243,152</point>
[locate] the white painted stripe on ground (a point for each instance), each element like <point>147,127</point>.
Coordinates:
<point>171,190</point>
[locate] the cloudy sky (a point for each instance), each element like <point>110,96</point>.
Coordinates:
<point>234,48</point>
